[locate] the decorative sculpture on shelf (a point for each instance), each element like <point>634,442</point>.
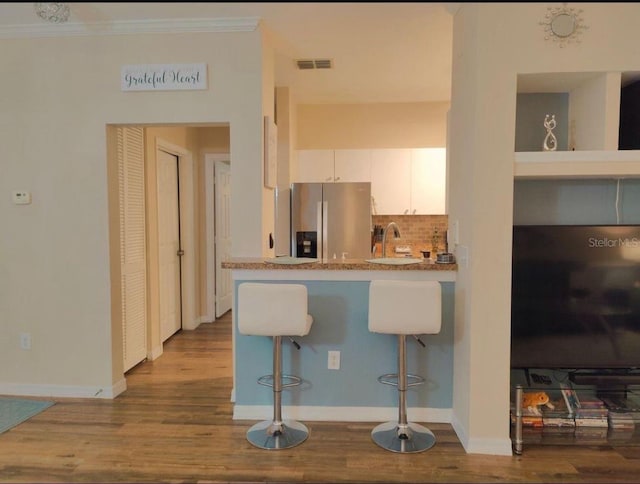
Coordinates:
<point>550,141</point>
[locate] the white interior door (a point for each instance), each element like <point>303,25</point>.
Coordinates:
<point>222,237</point>
<point>169,244</point>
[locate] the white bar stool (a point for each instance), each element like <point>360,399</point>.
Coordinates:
<point>275,310</point>
<point>404,308</point>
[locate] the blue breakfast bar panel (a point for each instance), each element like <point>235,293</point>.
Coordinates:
<point>340,312</point>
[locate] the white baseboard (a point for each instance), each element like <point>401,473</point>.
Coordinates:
<point>341,414</point>
<point>474,445</point>
<point>155,353</point>
<point>191,325</point>
<point>489,446</point>
<point>63,391</point>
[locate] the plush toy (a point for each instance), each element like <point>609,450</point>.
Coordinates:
<point>532,402</point>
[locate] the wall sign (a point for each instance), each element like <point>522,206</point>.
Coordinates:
<point>163,77</point>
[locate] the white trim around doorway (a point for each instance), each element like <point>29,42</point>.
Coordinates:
<point>209,188</point>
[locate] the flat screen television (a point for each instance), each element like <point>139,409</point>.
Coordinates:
<point>575,297</point>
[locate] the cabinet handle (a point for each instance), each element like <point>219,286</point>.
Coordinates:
<point>337,178</point>
<point>406,212</point>
<point>414,212</point>
<point>327,179</point>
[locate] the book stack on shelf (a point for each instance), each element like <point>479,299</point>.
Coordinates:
<point>623,417</point>
<point>620,421</point>
<point>592,412</point>
<point>623,410</point>
<point>591,418</point>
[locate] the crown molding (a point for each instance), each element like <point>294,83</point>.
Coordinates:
<point>236,24</point>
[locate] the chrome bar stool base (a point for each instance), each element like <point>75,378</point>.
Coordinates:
<point>405,439</point>
<point>272,435</point>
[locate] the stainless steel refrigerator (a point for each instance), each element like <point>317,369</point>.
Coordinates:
<point>331,220</point>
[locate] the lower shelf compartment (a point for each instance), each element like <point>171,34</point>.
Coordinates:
<point>577,436</point>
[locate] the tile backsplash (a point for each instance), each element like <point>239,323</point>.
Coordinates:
<point>419,232</point>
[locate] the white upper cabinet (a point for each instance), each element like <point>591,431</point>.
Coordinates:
<point>340,166</point>
<point>428,181</point>
<point>315,166</point>
<point>403,181</point>
<point>391,181</point>
<point>352,166</point>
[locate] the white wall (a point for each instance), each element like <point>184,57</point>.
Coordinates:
<point>492,44</point>
<point>58,96</point>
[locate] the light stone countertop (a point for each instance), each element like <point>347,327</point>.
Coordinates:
<point>259,263</point>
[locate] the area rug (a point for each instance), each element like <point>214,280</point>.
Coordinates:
<point>14,411</point>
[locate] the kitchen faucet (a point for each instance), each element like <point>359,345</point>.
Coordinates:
<point>396,234</point>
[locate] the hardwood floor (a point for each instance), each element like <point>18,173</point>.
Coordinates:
<point>174,424</point>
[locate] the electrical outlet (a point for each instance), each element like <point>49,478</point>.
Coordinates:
<point>334,360</point>
<point>25,341</point>
<point>21,198</point>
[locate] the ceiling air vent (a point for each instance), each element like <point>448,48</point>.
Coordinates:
<point>322,64</point>
<point>314,64</point>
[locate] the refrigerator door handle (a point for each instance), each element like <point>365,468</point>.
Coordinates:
<point>324,214</point>
<point>321,254</point>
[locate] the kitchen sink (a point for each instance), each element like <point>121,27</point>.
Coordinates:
<point>290,260</point>
<point>395,261</point>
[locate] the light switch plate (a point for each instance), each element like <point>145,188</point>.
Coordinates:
<point>21,198</point>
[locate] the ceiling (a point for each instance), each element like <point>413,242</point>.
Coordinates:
<point>380,51</point>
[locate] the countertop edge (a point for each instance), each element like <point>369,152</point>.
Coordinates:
<point>347,265</point>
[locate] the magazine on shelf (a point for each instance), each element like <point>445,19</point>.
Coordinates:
<point>570,398</point>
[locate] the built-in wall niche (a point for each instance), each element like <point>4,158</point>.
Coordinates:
<point>531,111</point>
<point>590,105</point>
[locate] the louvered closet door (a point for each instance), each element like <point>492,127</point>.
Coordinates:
<point>132,245</point>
